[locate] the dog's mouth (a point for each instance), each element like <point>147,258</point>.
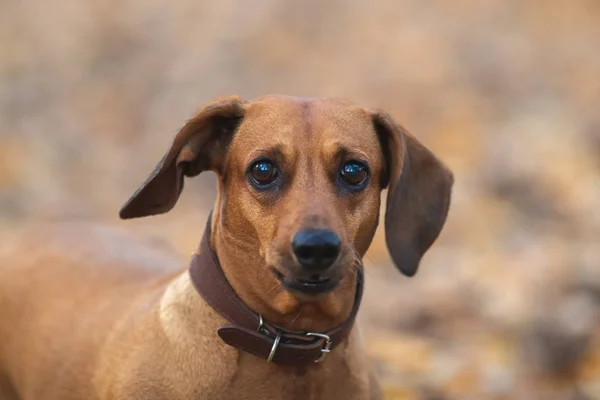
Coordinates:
<point>314,285</point>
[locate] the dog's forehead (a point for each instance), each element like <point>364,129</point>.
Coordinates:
<point>302,109</point>
<point>292,121</point>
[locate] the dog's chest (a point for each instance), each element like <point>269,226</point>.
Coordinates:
<point>258,380</point>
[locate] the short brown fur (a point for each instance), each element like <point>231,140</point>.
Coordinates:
<point>88,313</point>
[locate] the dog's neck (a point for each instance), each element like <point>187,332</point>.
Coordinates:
<point>246,273</point>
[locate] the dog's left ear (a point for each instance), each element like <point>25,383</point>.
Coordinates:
<point>419,188</point>
<point>200,145</point>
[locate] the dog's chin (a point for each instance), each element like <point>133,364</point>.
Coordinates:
<point>307,288</point>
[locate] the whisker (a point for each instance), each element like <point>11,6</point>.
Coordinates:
<point>295,318</point>
<point>357,264</point>
<point>272,289</point>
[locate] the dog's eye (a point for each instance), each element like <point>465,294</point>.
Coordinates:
<point>263,173</point>
<point>354,173</point>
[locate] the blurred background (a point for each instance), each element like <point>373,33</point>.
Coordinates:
<point>507,302</point>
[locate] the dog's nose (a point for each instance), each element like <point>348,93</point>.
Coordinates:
<point>316,249</point>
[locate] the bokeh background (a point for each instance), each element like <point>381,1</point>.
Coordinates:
<point>506,304</point>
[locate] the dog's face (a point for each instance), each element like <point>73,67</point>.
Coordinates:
<point>302,181</point>
<point>299,189</point>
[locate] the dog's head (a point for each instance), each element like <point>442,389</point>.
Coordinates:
<point>299,187</point>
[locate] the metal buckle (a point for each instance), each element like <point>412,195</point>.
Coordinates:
<point>326,349</point>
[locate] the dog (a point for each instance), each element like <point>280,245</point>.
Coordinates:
<point>266,308</point>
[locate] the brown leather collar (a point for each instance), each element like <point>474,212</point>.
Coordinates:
<point>248,331</point>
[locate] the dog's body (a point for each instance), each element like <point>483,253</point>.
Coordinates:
<point>82,319</point>
<point>88,313</point>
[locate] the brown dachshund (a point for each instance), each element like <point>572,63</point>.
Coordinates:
<point>265,309</point>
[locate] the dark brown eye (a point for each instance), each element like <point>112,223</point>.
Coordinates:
<point>354,174</point>
<point>263,173</point>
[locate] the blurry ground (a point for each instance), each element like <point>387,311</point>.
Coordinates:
<point>507,303</point>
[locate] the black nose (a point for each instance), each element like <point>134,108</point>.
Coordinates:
<point>316,249</point>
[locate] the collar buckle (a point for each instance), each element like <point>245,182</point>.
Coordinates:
<point>326,349</point>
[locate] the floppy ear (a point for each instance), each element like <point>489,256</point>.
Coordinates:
<point>199,146</point>
<point>419,188</point>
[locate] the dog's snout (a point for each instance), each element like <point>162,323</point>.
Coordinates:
<point>316,249</point>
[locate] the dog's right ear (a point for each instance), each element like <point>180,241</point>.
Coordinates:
<point>199,146</point>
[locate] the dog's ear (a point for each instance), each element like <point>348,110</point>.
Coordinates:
<point>419,188</point>
<point>199,146</point>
